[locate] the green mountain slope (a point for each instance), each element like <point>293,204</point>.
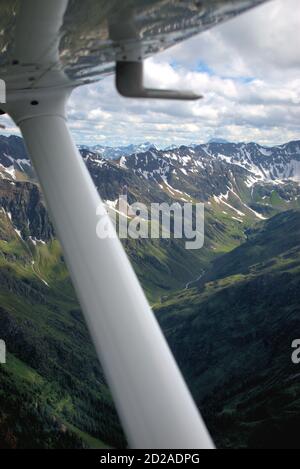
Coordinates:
<point>52,383</point>
<point>52,390</point>
<point>232,337</point>
<point>264,242</point>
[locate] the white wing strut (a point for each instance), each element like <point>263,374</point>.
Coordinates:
<point>152,399</point>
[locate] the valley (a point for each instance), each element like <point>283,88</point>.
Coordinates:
<point>229,310</point>
<point>232,334</point>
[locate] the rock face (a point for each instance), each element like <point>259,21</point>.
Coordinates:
<point>23,204</point>
<point>13,147</point>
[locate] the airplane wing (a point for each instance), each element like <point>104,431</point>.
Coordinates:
<point>80,41</point>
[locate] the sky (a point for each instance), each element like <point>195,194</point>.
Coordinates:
<point>248,70</point>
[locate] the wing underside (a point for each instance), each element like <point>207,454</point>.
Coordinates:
<point>91,36</point>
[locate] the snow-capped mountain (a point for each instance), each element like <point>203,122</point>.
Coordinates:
<point>235,176</point>
<point>244,179</point>
<point>262,164</point>
<point>113,153</point>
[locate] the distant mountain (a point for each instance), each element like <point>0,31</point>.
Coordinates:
<point>243,179</point>
<point>113,153</point>
<point>242,182</point>
<point>261,164</point>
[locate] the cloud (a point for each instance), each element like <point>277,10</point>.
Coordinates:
<point>261,43</point>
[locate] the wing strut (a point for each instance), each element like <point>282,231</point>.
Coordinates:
<point>152,399</point>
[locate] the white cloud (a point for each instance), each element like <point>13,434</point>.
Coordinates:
<point>261,43</point>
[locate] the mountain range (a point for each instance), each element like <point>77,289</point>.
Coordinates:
<point>248,175</point>
<point>229,310</point>
<point>113,153</point>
